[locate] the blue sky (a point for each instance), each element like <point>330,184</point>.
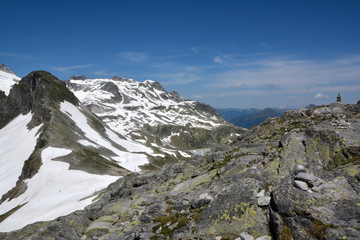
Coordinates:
<point>224,53</point>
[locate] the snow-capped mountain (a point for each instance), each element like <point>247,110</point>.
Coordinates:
<point>55,154</point>
<point>145,111</point>
<point>7,79</point>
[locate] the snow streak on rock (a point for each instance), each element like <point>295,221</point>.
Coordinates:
<point>130,160</point>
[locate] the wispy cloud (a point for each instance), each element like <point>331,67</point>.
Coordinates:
<point>320,95</point>
<point>103,73</point>
<point>18,56</point>
<point>178,78</point>
<point>195,50</point>
<point>292,97</point>
<point>239,85</point>
<point>69,69</point>
<point>292,75</point>
<point>198,97</point>
<point>265,45</point>
<point>269,85</point>
<point>136,57</point>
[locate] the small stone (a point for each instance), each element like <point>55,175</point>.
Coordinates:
<point>263,201</point>
<point>299,168</point>
<point>301,185</point>
<point>218,238</point>
<point>318,182</point>
<point>261,194</point>
<point>246,236</point>
<point>305,177</point>
<point>264,238</point>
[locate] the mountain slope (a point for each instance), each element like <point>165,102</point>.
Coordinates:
<point>145,112</point>
<point>126,105</point>
<point>65,149</point>
<point>294,177</point>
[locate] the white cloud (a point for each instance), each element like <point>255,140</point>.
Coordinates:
<point>218,59</point>
<point>320,95</point>
<point>136,57</point>
<point>198,97</point>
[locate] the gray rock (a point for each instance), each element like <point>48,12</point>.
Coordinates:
<point>264,238</point>
<point>246,236</point>
<point>263,201</point>
<point>301,185</point>
<point>305,177</point>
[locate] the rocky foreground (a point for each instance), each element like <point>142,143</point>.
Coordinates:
<point>294,177</point>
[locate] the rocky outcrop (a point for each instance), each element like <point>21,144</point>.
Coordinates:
<point>295,177</point>
<point>36,92</point>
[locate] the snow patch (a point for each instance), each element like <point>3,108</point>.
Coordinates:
<point>17,143</point>
<point>7,80</point>
<point>54,191</point>
<point>128,160</point>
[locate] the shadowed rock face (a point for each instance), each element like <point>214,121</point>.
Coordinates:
<point>35,92</point>
<point>294,177</point>
<point>113,89</point>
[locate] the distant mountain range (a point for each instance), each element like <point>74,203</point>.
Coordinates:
<point>248,118</point>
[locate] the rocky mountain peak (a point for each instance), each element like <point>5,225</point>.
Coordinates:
<point>36,92</point>
<point>78,77</point>
<point>5,69</point>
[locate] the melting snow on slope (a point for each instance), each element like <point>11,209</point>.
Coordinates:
<point>7,80</point>
<point>17,143</point>
<point>128,160</point>
<point>54,191</point>
<point>141,103</point>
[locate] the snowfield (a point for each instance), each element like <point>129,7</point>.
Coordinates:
<point>54,191</point>
<point>130,160</point>
<point>17,143</point>
<point>7,80</point>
